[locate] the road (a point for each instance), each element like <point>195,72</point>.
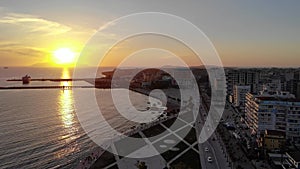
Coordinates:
<point>218,155</point>
<point>215,151</point>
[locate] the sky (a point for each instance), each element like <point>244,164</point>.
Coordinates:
<point>245,33</point>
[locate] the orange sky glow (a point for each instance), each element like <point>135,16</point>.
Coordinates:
<point>242,36</point>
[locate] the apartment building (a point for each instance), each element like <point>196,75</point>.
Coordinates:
<point>239,96</point>
<point>273,111</point>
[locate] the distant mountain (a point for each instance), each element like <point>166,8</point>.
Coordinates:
<point>41,64</point>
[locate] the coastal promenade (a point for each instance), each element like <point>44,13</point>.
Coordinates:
<point>186,149</point>
<point>100,156</point>
<point>180,154</point>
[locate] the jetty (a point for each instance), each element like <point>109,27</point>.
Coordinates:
<point>52,79</point>
<point>44,87</point>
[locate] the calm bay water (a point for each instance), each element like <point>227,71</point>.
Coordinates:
<point>40,129</point>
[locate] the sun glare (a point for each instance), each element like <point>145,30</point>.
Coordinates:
<point>64,56</point>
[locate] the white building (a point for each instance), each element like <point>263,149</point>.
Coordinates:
<point>269,111</point>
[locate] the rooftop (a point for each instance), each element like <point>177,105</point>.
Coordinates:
<point>274,133</point>
<point>274,98</point>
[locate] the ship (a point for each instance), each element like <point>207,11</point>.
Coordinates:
<point>26,79</point>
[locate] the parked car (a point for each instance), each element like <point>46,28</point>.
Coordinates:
<point>209,159</point>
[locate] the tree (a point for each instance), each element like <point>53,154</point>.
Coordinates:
<point>141,165</point>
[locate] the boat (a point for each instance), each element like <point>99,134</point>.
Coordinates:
<point>26,79</point>
<point>5,68</point>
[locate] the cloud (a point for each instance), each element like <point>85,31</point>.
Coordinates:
<point>34,24</point>
<point>21,50</point>
<point>31,39</point>
<point>13,54</point>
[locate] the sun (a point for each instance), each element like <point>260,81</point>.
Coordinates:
<point>64,56</point>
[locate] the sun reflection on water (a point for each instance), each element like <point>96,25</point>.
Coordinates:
<point>67,116</point>
<point>66,75</point>
<point>66,108</point>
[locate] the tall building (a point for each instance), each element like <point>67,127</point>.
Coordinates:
<point>242,77</point>
<point>293,86</point>
<point>183,77</point>
<point>297,94</point>
<point>273,85</point>
<point>269,111</point>
<point>239,96</point>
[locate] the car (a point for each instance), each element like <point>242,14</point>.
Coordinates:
<point>206,149</point>
<point>209,159</point>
